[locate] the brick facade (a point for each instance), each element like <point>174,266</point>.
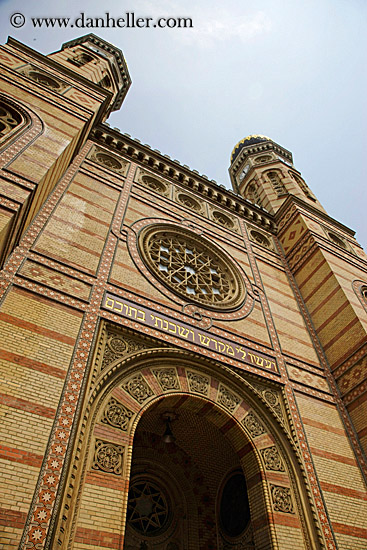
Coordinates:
<point>260,368</point>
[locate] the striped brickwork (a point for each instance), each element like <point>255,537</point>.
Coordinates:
<point>69,358</point>
<point>60,126</point>
<point>329,278</point>
<point>37,342</point>
<point>339,474</point>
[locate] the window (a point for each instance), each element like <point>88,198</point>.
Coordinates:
<point>234,506</point>
<point>185,263</point>
<point>81,59</point>
<point>302,185</point>
<point>105,82</point>
<point>252,193</point>
<point>276,182</point>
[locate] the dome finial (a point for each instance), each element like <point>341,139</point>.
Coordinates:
<point>249,140</point>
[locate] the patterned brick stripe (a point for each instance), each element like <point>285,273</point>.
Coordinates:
<point>23,457</point>
<point>37,533</point>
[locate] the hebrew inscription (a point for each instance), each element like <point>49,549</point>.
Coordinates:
<point>191,334</point>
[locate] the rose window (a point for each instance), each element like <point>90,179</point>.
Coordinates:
<point>198,273</point>
<point>147,508</point>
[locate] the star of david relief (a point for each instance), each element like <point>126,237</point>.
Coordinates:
<point>191,267</point>
<point>148,508</point>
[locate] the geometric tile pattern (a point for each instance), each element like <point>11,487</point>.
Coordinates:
<point>52,278</point>
<point>308,378</point>
<point>353,376</point>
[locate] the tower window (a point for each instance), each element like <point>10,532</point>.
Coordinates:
<point>302,185</point>
<point>337,240</point>
<point>252,193</point>
<point>105,82</point>
<point>263,158</point>
<point>81,59</point>
<point>277,184</point>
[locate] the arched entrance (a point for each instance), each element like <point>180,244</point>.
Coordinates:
<point>224,424</point>
<point>190,491</point>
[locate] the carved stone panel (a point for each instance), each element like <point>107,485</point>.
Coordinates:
<point>198,383</point>
<point>138,388</point>
<point>253,425</point>
<point>108,457</point>
<point>154,183</point>
<point>282,499</point>
<point>228,399</point>
<point>42,78</point>
<point>189,201</point>
<point>271,396</point>
<point>167,379</point>
<point>116,415</point>
<point>272,459</point>
<point>260,238</point>
<point>108,160</point>
<point>118,345</point>
<point>224,219</point>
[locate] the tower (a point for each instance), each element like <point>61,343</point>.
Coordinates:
<point>75,88</point>
<point>183,365</point>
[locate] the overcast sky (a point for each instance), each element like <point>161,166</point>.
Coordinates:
<point>294,70</point>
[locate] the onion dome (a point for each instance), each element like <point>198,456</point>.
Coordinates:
<point>245,142</point>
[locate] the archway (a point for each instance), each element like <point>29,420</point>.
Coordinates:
<point>184,492</point>
<point>226,423</point>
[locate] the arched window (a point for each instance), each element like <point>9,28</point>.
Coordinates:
<point>276,182</point>
<point>10,119</point>
<point>252,193</point>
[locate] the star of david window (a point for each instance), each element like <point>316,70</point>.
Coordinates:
<point>147,508</point>
<point>187,265</point>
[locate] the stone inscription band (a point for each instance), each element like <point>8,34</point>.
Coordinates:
<point>201,338</point>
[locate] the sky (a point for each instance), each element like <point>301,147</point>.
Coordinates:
<point>294,70</point>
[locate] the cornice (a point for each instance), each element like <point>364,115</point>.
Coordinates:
<point>260,148</point>
<point>171,169</point>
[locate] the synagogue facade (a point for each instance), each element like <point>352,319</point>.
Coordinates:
<point>183,366</point>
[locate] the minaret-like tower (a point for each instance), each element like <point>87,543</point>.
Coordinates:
<point>98,62</point>
<point>325,264</point>
<point>263,172</point>
<point>57,98</point>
